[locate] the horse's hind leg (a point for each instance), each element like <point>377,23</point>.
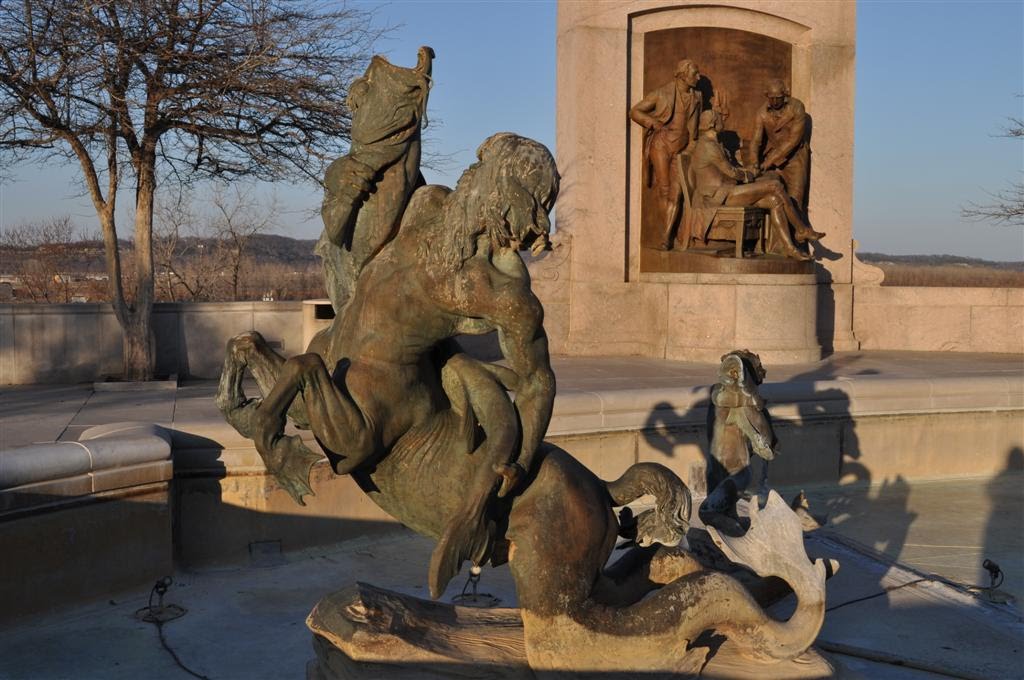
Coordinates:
<point>263,420</point>
<point>250,351</point>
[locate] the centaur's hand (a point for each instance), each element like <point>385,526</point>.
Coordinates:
<point>355,178</point>
<point>510,475</point>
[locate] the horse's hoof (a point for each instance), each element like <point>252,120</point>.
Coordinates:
<point>291,462</point>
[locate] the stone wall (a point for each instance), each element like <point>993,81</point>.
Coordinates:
<point>82,342</point>
<point>939,319</point>
<point>75,343</point>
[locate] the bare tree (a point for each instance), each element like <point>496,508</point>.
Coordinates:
<point>156,90</point>
<point>187,268</point>
<point>1007,206</point>
<point>205,256</point>
<point>236,220</point>
<point>40,253</point>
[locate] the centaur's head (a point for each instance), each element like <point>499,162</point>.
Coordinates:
<point>502,199</point>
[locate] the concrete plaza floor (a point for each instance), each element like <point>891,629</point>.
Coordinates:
<point>248,621</point>
<point>41,413</point>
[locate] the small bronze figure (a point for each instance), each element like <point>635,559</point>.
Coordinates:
<point>738,418</point>
<point>669,116</point>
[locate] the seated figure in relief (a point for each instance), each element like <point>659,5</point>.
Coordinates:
<point>717,183</point>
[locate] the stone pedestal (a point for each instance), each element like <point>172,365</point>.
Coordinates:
<point>608,292</point>
<point>774,316</point>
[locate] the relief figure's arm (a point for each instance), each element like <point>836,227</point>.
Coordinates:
<point>716,156</point>
<point>641,113</point>
<point>758,141</point>
<point>790,138</point>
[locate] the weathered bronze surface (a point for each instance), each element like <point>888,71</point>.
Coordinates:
<point>656,261</point>
<point>739,423</point>
<point>780,140</point>
<point>433,436</point>
<point>669,116</point>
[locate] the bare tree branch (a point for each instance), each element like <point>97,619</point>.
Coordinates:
<point>174,91</point>
<point>1007,206</point>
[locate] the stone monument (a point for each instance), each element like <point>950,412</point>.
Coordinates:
<point>433,436</point>
<point>609,287</point>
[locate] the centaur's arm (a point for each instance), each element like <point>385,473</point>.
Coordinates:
<point>519,319</point>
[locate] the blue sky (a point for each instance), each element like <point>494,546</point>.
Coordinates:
<point>935,82</point>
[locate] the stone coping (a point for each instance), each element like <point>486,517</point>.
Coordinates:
<point>579,411</point>
<point>205,444</point>
<point>158,308</point>
<point>105,458</point>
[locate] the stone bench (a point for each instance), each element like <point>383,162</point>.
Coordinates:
<point>86,519</point>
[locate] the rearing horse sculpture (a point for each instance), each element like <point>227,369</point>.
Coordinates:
<point>433,437</point>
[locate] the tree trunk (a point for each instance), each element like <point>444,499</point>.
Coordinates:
<point>138,353</point>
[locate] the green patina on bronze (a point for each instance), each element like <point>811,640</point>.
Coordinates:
<point>433,435</point>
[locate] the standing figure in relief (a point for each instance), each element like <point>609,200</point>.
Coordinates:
<point>780,140</point>
<point>669,116</point>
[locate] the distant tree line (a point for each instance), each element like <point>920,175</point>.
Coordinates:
<point>221,254</point>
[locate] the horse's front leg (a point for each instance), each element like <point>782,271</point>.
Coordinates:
<point>334,417</point>
<point>248,350</point>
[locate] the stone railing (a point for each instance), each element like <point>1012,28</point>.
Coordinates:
<point>80,342</point>
<point>939,319</point>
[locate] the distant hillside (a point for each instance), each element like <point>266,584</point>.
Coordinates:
<point>276,248</point>
<point>946,270</point>
<point>938,260</point>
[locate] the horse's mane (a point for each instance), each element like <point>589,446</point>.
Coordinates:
<point>480,202</point>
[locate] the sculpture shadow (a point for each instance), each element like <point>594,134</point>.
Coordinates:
<point>209,529</point>
<point>819,450</point>
<point>1002,541</point>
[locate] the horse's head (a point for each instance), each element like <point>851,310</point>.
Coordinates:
<point>389,102</point>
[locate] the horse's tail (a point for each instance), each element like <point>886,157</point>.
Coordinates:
<point>668,521</point>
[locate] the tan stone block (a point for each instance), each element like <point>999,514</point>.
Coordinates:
<point>940,444</point>
<point>132,475</point>
<point>280,323</point>
<point>997,329</point>
<point>556,325</point>
<point>617,319</point>
<point>701,316</point>
<point>607,455</point>
<point>776,317</point>
<point>574,412</point>
<point>9,367</point>
<point>913,328</point>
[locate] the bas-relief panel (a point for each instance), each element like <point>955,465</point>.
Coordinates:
<point>733,63</point>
